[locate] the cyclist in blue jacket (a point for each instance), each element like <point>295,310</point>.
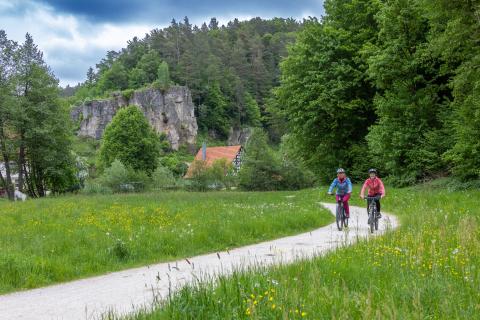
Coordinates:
<point>344,189</point>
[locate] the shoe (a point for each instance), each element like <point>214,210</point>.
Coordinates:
<point>379,215</point>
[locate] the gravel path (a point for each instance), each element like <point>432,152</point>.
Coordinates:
<point>125,291</point>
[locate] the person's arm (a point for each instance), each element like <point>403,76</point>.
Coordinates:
<point>350,188</point>
<point>362,192</point>
<point>382,188</point>
<point>334,183</point>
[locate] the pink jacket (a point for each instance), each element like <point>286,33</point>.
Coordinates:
<point>374,186</point>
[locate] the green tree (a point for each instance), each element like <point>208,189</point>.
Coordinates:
<point>130,139</point>
<point>212,114</point>
<point>7,106</point>
<point>115,78</point>
<point>163,76</point>
<point>260,168</point>
<point>454,38</point>
<point>149,64</point>
<point>252,111</point>
<point>325,94</point>
<point>42,126</point>
<point>410,135</point>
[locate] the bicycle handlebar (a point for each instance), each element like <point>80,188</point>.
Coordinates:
<point>376,198</point>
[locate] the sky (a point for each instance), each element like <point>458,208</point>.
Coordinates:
<point>75,35</point>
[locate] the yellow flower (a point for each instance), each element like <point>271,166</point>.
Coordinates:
<point>273,306</point>
<point>304,314</point>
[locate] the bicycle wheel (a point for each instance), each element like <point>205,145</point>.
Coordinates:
<point>345,219</point>
<point>371,217</point>
<point>376,222</point>
<point>339,217</point>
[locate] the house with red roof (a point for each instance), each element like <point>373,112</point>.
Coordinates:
<point>233,154</point>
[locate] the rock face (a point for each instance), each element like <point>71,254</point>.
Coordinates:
<point>172,114</point>
<point>238,136</point>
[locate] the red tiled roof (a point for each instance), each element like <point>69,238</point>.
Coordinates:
<point>215,153</point>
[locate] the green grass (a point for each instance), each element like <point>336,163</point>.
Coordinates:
<point>58,239</point>
<point>428,269</point>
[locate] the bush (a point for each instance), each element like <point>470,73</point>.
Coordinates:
<point>163,178</point>
<point>119,178</point>
<point>265,170</point>
<point>218,176</point>
<point>260,169</point>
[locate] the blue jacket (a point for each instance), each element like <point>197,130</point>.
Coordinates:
<point>343,187</point>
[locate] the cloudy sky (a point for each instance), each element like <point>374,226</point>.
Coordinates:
<point>76,34</point>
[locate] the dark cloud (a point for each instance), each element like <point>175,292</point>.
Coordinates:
<point>162,11</point>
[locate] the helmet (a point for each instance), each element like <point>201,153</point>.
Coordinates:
<point>372,171</point>
<point>340,170</point>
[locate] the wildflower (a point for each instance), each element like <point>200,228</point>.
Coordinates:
<point>304,313</point>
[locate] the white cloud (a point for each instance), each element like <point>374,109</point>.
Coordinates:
<point>70,44</point>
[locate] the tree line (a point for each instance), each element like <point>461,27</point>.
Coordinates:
<point>391,84</point>
<point>230,69</point>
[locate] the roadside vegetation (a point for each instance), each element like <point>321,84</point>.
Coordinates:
<point>427,269</point>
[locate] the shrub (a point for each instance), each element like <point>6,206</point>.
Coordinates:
<point>119,178</point>
<point>163,178</point>
<point>263,169</point>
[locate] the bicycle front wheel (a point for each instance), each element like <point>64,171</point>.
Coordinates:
<point>339,217</point>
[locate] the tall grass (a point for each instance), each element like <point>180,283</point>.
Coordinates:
<point>52,240</point>
<point>428,269</point>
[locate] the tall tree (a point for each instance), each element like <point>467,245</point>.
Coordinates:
<point>7,106</point>
<point>455,39</point>
<point>412,102</point>
<point>130,139</point>
<point>325,93</point>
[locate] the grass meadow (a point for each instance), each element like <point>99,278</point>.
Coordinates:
<point>52,240</point>
<point>429,268</point>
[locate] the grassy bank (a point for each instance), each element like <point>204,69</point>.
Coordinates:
<point>52,240</point>
<point>428,269</point>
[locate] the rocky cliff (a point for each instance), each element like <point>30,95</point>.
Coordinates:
<point>171,113</point>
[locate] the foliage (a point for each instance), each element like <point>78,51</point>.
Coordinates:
<point>163,178</point>
<point>130,139</point>
<point>120,178</point>
<point>410,136</point>
<point>325,93</point>
<point>260,168</point>
<point>219,175</point>
<point>35,128</point>
<point>212,114</point>
<point>163,76</point>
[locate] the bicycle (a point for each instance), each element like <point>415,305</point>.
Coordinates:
<point>372,213</point>
<point>341,217</point>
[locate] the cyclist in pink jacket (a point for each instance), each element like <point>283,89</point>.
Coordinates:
<point>375,189</point>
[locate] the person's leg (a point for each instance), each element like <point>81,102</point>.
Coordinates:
<point>345,205</point>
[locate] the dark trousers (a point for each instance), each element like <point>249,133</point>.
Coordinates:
<point>377,202</point>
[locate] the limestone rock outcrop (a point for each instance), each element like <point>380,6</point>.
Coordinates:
<point>171,113</point>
